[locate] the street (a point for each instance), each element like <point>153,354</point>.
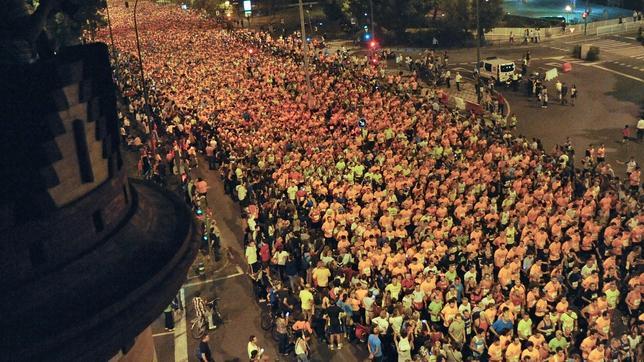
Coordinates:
<point>227,280</point>
<point>610,96</point>
<point>611,93</point>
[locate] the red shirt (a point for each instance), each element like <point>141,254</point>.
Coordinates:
<point>264,253</point>
<point>408,283</point>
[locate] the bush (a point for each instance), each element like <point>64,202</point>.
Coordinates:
<point>593,54</point>
<point>576,51</point>
<point>516,21</point>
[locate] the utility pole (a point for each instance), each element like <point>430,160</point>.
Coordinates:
<point>373,29</point>
<point>138,49</point>
<point>586,13</point>
<point>305,50</point>
<point>109,25</point>
<point>478,54</point>
<point>308,14</point>
<point>147,107</point>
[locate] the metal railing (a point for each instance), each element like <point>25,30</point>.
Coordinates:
<point>618,28</point>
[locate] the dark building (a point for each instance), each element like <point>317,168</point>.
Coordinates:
<point>88,258</point>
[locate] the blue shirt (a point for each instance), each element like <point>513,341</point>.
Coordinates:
<point>345,307</point>
<point>375,345</point>
<point>500,326</point>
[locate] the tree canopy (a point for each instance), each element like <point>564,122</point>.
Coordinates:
<point>398,15</point>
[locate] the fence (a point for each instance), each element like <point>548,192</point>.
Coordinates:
<point>617,28</point>
<point>601,27</point>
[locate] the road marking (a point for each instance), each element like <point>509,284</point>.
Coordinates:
<point>620,73</point>
<point>591,64</point>
<point>239,272</point>
<point>162,334</point>
<point>180,335</point>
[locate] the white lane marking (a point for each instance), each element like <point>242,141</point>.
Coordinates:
<point>239,272</point>
<point>180,335</point>
<point>162,334</point>
<point>620,73</point>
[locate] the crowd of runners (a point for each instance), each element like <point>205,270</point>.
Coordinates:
<point>374,213</point>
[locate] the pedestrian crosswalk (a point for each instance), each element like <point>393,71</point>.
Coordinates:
<point>620,48</point>
<point>638,67</point>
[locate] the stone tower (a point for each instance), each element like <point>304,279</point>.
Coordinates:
<point>88,258</point>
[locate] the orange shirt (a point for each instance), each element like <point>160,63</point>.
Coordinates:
<point>448,314</point>
<point>534,355</point>
<point>513,352</point>
<point>499,257</point>
<point>587,345</point>
<point>495,352</point>
<point>596,356</point>
<point>603,325</point>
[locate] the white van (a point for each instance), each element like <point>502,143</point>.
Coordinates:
<point>501,70</point>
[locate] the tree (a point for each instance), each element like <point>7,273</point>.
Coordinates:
<point>490,14</point>
<point>437,5</point>
<point>458,14</point>
<point>336,9</point>
<point>393,15</point>
<point>462,14</point>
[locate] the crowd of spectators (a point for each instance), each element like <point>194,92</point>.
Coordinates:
<point>375,213</point>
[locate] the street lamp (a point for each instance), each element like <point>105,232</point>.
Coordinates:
<point>305,50</point>
<point>308,13</point>
<point>373,30</point>
<point>478,54</point>
<point>109,24</point>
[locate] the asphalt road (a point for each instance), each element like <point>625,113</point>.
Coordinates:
<point>228,281</point>
<point>611,93</point>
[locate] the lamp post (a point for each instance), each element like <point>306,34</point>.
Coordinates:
<point>586,14</point>
<point>308,14</point>
<point>373,30</point>
<point>138,49</point>
<point>305,50</point>
<point>478,54</point>
<point>568,9</point>
<point>109,25</point>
